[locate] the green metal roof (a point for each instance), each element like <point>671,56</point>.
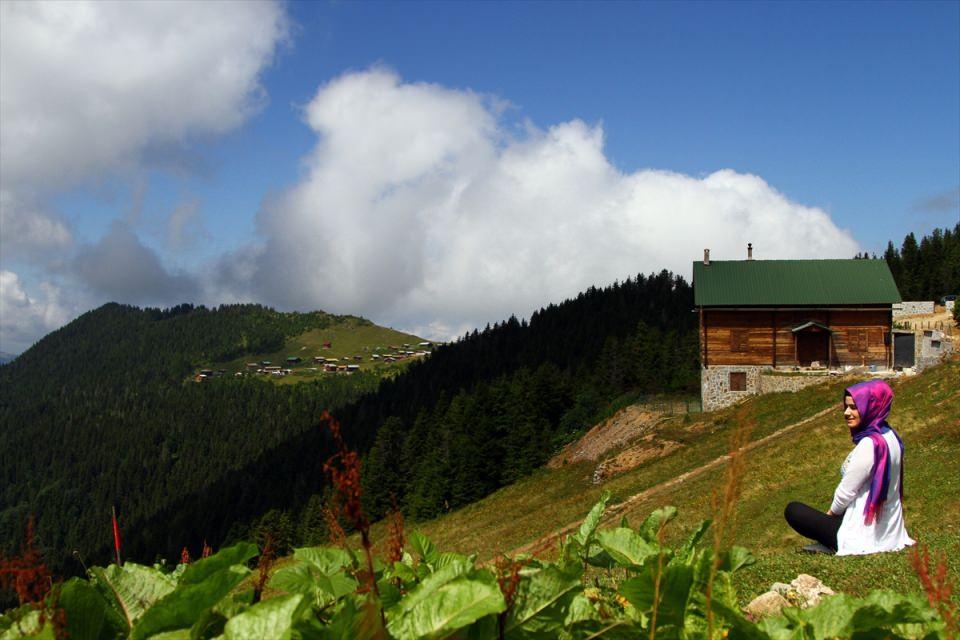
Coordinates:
<point>793,282</point>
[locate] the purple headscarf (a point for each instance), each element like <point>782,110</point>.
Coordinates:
<point>873,399</point>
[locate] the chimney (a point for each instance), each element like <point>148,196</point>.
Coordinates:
<point>706,257</point>
<point>749,251</point>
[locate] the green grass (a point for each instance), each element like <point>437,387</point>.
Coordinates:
<point>802,464</point>
<point>350,337</point>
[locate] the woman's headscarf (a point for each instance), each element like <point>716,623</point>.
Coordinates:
<point>873,400</point>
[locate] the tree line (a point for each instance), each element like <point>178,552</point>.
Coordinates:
<point>101,413</point>
<point>928,269</point>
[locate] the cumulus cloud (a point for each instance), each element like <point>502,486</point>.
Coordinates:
<point>23,318</point>
<point>89,87</point>
<point>120,267</point>
<point>28,232</point>
<point>420,208</point>
<point>92,90</point>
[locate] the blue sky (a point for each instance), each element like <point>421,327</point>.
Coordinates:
<point>847,113</point>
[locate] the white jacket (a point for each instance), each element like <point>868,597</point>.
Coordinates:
<point>887,533</point>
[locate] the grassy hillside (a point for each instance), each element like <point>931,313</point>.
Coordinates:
<point>802,463</point>
<point>348,337</point>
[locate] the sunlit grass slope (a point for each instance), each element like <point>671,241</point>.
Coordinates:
<point>348,337</point>
<point>800,464</point>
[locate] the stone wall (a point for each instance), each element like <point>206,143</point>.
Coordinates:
<point>774,384</point>
<point>933,347</point>
<point>912,308</point>
<point>715,390</point>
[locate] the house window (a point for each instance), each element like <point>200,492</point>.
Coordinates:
<point>739,340</point>
<point>934,344</point>
<point>738,381</point>
<point>857,341</point>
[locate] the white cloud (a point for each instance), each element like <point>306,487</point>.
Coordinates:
<point>91,90</point>
<point>90,87</point>
<point>30,233</point>
<point>23,319</point>
<point>421,210</point>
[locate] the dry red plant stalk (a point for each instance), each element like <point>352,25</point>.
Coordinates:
<point>264,564</point>
<point>335,532</point>
<point>656,581</point>
<point>395,540</point>
<point>27,575</point>
<point>508,578</point>
<point>343,468</point>
<point>937,586</point>
<point>724,499</point>
<point>207,551</point>
<point>185,556</point>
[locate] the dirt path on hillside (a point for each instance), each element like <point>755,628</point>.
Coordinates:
<point>548,540</point>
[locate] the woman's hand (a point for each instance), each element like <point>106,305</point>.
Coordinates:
<point>830,513</point>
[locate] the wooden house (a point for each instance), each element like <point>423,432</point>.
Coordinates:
<point>759,316</point>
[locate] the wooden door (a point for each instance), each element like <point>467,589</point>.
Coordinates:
<point>813,346</point>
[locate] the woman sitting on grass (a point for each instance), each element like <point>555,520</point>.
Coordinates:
<point>866,515</point>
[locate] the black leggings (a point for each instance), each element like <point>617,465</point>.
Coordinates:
<point>813,524</point>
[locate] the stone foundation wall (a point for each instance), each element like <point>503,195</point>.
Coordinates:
<point>912,308</point>
<point>776,384</point>
<point>715,390</point>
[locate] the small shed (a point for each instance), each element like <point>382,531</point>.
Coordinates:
<point>762,315</point>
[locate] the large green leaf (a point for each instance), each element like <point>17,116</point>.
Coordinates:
<point>626,546</point>
<point>356,617</point>
<point>886,609</point>
<point>132,588</point>
<point>735,559</point>
<point>447,558</point>
<point>184,606</point>
<point>736,625</point>
<point>537,592</point>
<point>688,547</point>
<point>267,619</point>
<point>403,571</point>
<point>328,560</point>
<point>437,609</point>
<point>25,623</point>
<point>89,614</point>
<point>423,547</point>
<point>429,585</point>
<point>203,569</point>
<point>672,599</point>
<point>590,523</point>
<point>674,594</point>
<point>307,580</point>
<point>830,619</point>
<point>650,529</point>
